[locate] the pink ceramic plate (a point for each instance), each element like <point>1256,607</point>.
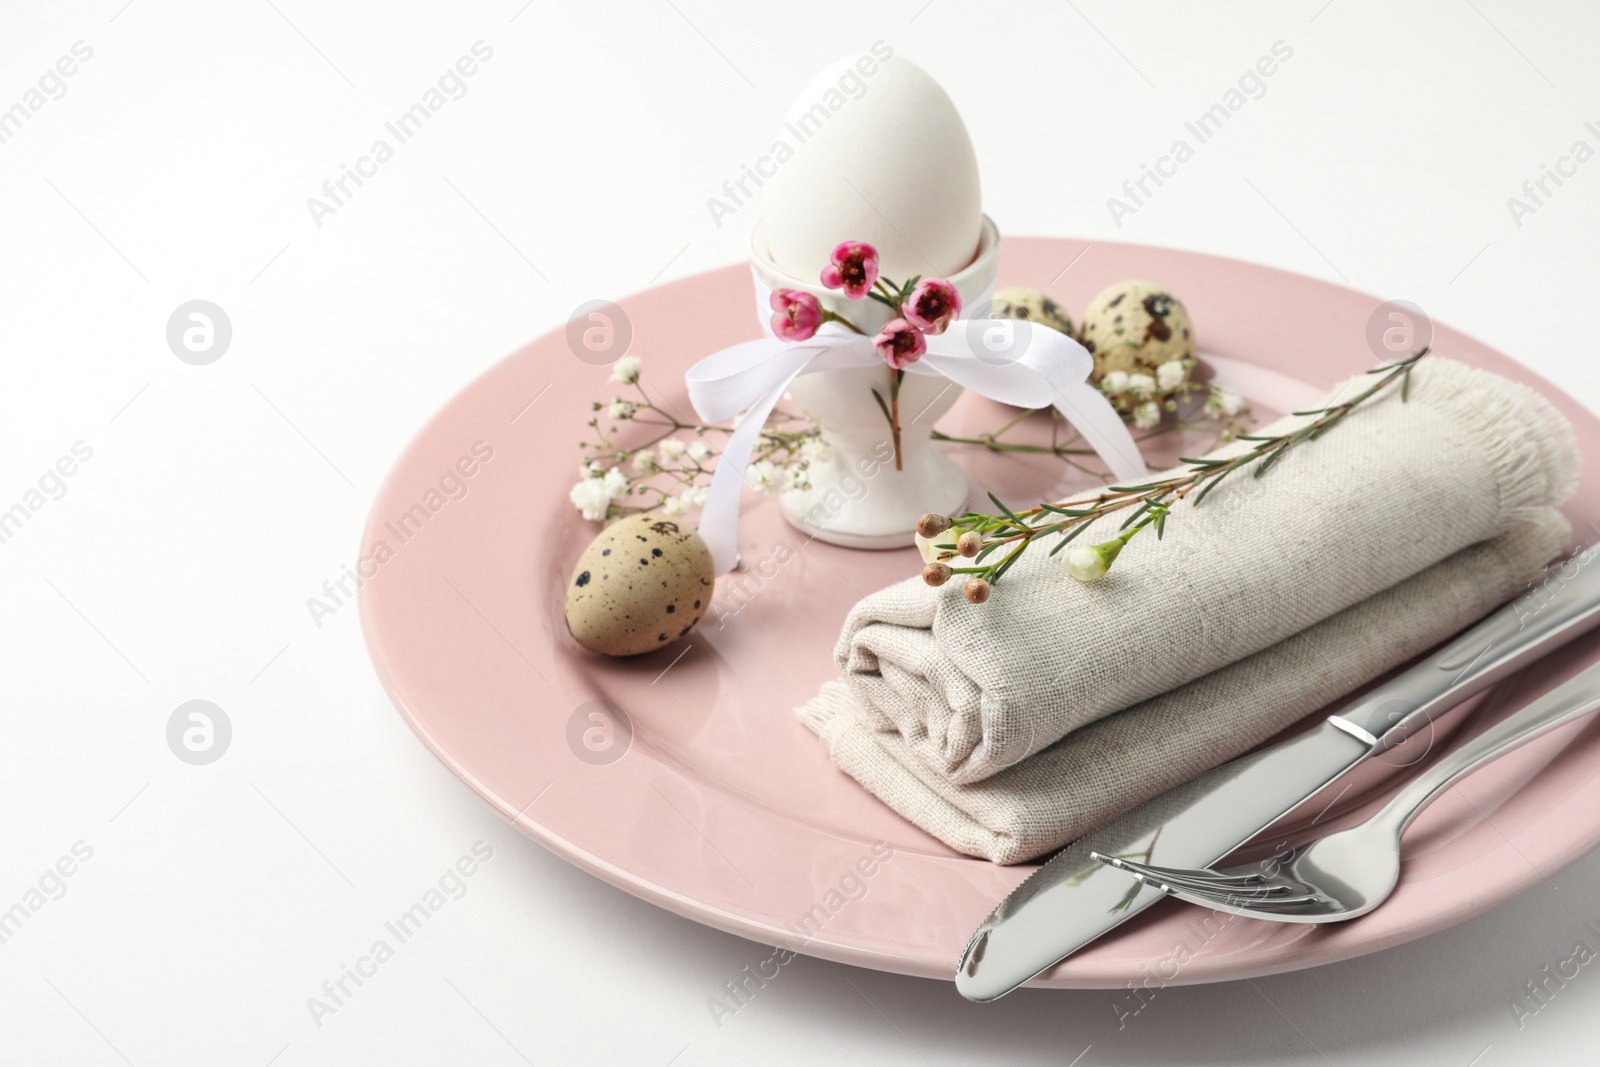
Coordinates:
<point>716,803</point>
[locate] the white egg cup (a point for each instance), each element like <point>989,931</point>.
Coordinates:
<point>856,497</point>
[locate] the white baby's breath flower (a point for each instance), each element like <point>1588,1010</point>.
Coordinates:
<point>699,451</point>
<point>762,475</point>
<point>1115,382</point>
<point>621,409</point>
<point>1146,415</point>
<point>590,469</point>
<point>1225,401</point>
<point>696,497</point>
<point>1141,384</point>
<point>1171,374</point>
<point>797,476</point>
<point>672,505</point>
<point>671,450</point>
<point>644,461</point>
<point>626,370</point>
<point>615,481</point>
<point>592,498</point>
<point>815,450</point>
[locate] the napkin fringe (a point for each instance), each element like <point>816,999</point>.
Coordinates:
<point>1545,538</point>
<point>1527,441</point>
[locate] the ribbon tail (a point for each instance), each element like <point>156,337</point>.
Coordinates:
<point>1092,415</point>
<point>719,517</point>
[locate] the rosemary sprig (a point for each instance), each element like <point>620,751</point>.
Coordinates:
<point>975,539</point>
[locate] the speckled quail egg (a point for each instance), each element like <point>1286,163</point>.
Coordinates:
<point>640,585</point>
<point>1135,327</point>
<point>1032,305</point>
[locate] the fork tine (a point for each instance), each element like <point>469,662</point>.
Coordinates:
<point>1266,892</point>
<point>1289,898</point>
<point>1238,903</point>
<point>1200,879</point>
<point>1272,897</point>
<point>1233,904</point>
<point>1200,876</point>
<point>1206,875</point>
<point>1182,892</point>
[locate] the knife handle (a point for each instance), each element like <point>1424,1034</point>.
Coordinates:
<point>1563,606</point>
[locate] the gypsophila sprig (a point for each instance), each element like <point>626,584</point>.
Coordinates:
<point>986,545</point>
<point>667,465</point>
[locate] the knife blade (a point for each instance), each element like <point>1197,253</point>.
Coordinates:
<point>1073,899</point>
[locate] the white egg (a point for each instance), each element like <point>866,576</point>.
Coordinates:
<point>883,158</point>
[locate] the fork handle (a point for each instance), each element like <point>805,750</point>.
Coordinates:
<point>1573,699</point>
<point>1561,607</point>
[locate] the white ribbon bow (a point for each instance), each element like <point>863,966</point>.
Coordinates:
<point>1052,370</point>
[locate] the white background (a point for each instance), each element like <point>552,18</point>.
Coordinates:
<point>178,562</point>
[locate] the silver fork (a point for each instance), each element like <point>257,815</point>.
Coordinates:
<point>1349,873</point>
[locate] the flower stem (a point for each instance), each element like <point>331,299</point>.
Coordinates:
<point>828,316</point>
<point>895,378</point>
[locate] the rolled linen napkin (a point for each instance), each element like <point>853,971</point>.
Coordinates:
<point>1107,767</point>
<point>952,693</point>
<point>1392,489</point>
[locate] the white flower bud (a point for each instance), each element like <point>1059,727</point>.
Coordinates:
<point>763,476</point>
<point>626,370</point>
<point>1225,400</point>
<point>591,498</point>
<point>1115,382</point>
<point>1088,562</point>
<point>929,546</point>
<point>1171,374</point>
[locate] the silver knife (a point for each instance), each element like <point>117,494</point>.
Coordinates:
<point>1073,899</point>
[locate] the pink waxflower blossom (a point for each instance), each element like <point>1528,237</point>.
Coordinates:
<point>932,305</point>
<point>854,269</point>
<point>795,314</point>
<point>899,343</point>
